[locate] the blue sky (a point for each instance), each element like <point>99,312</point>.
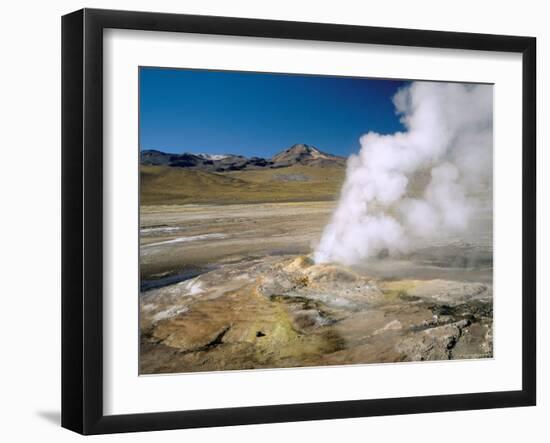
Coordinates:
<point>257,114</point>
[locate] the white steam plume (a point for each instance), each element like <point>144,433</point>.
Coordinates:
<point>414,185</point>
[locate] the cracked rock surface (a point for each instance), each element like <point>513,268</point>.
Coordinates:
<point>286,311</point>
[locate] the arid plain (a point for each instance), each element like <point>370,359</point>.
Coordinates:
<point>228,282</point>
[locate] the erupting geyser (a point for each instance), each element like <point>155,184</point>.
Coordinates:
<point>419,184</point>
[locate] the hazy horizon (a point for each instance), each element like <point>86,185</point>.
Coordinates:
<point>197,152</point>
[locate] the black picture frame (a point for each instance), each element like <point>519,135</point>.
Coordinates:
<point>82,220</point>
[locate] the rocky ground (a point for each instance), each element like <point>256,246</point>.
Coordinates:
<point>232,287</point>
<point>286,311</point>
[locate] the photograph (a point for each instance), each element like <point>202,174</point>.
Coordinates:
<point>292,220</point>
<point>267,222</point>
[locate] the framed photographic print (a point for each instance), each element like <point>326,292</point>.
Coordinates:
<point>269,221</point>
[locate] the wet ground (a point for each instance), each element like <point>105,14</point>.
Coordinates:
<point>233,287</point>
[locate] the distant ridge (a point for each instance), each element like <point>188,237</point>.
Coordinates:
<point>306,155</point>
<point>298,154</point>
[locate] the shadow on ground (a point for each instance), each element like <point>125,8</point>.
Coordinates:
<point>53,417</point>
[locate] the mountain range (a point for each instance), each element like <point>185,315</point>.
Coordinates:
<point>298,154</point>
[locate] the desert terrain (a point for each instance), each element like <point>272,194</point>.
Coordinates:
<point>228,282</point>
